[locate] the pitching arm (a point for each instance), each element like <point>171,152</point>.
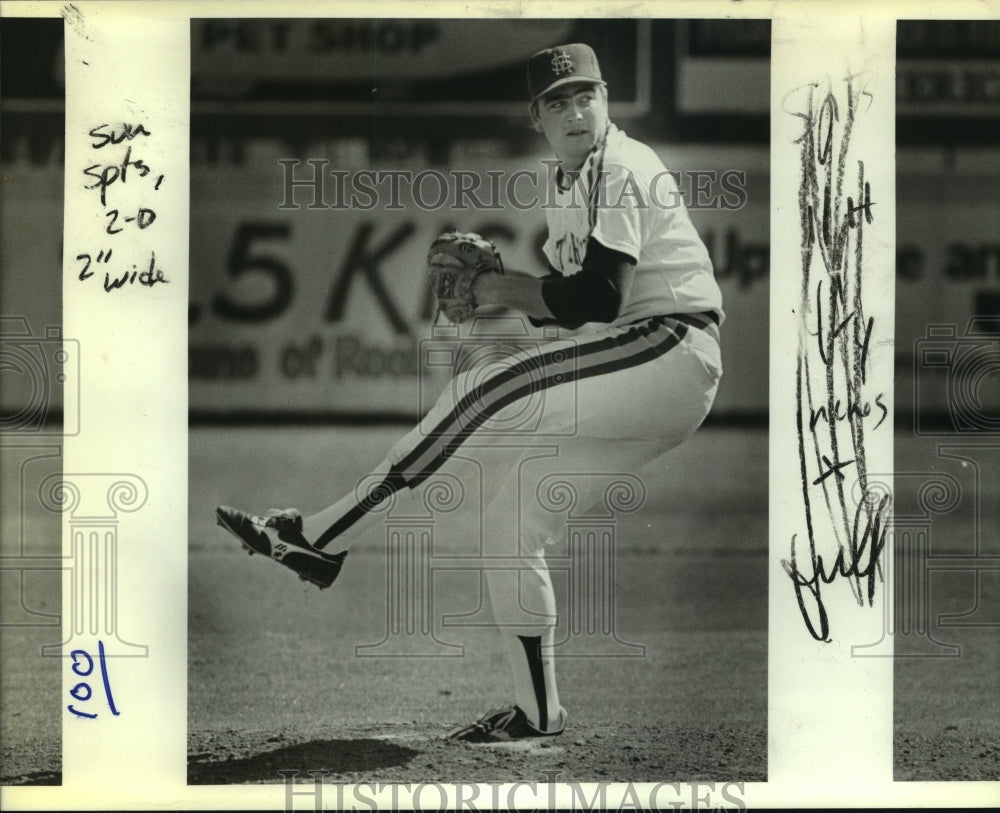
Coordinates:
<point>514,289</point>
<point>593,294</point>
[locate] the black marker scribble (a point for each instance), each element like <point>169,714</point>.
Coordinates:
<point>832,396</point>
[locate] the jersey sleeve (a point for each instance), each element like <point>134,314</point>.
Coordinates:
<point>595,292</point>
<point>622,199</point>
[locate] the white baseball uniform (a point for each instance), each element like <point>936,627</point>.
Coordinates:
<point>613,396</point>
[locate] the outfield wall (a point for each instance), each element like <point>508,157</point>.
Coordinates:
<point>327,309</point>
<point>323,311</point>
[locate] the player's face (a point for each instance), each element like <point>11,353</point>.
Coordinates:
<point>573,118</point>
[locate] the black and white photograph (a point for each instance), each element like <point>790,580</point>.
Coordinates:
<point>478,336</point>
<point>36,380</point>
<point>516,406</point>
<point>947,512</point>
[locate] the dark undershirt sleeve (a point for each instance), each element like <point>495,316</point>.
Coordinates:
<point>593,294</point>
<point>553,274</point>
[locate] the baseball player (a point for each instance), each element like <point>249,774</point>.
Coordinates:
<point>632,281</point>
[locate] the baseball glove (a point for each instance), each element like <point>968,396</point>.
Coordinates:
<point>454,262</point>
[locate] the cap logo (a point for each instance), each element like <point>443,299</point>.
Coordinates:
<point>561,63</point>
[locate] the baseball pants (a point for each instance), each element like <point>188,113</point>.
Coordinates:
<point>607,402</point>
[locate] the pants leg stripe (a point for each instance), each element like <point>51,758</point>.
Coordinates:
<point>601,357</point>
<point>533,652</point>
<point>607,355</point>
<point>392,483</point>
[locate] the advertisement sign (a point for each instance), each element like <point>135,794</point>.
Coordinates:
<point>412,67</point>
<point>309,291</point>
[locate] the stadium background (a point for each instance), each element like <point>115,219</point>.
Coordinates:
<point>263,287</point>
<point>310,330</point>
<point>319,312</point>
<point>263,279</point>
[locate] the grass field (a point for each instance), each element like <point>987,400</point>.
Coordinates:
<point>275,683</point>
<point>946,708</point>
<point>30,603</point>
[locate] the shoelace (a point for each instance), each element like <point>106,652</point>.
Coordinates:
<point>491,722</point>
<point>288,524</point>
<point>283,520</point>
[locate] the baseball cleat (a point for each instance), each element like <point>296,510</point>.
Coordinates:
<point>504,725</point>
<point>290,548</point>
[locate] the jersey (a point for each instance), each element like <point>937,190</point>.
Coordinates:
<point>625,198</point>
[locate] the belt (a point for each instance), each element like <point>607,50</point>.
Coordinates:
<point>708,321</point>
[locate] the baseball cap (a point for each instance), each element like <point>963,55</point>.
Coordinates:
<point>561,65</point>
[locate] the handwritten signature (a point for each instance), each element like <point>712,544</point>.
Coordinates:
<point>833,396</point>
<point>859,562</point>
